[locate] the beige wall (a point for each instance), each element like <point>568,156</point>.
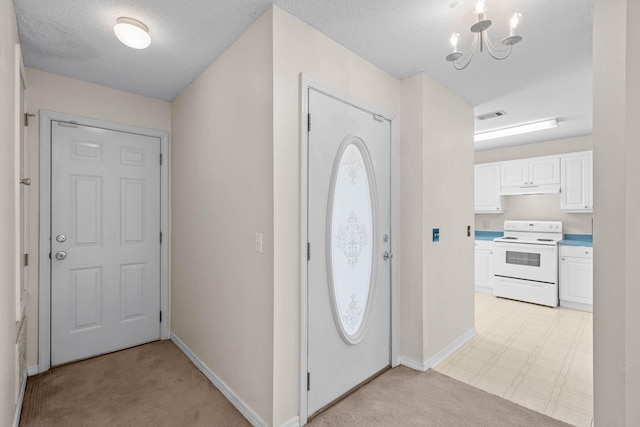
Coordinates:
<point>8,40</point>
<point>548,148</point>
<point>222,183</point>
<point>298,48</point>
<point>411,229</point>
<point>46,91</point>
<point>447,204</point>
<point>616,156</point>
<point>436,191</point>
<point>540,207</point>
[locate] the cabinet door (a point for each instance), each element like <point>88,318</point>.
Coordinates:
<point>484,270</point>
<point>544,171</point>
<point>576,183</point>
<point>487,197</point>
<point>576,279</point>
<point>514,173</point>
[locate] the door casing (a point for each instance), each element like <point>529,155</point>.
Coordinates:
<point>307,82</point>
<point>44,267</point>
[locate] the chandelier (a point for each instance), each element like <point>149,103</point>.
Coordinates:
<point>481,38</point>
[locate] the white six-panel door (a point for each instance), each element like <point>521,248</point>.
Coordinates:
<point>349,227</point>
<point>105,240</point>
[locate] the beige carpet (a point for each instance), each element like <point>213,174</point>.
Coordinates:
<point>403,397</point>
<point>156,385</point>
<point>150,385</point>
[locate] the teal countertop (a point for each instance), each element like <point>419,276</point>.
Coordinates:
<point>488,235</point>
<point>577,240</point>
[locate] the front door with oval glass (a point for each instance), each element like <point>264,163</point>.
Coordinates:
<point>349,274</point>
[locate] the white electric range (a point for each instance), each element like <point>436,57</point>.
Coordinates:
<point>525,261</point>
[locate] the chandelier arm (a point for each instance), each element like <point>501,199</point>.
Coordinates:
<point>500,58</point>
<point>467,61</point>
<point>495,52</point>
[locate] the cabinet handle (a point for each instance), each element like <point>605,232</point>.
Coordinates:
<point>586,252</point>
<point>563,259</point>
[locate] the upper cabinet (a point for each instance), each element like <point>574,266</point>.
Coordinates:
<point>487,198</point>
<point>530,176</point>
<point>577,182</point>
<point>569,174</point>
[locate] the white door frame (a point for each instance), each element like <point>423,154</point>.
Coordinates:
<point>307,82</point>
<point>44,281</point>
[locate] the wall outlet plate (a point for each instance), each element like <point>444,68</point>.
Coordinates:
<point>436,235</point>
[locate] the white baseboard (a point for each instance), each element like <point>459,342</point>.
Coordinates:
<point>577,306</point>
<point>412,364</point>
<point>16,417</point>
<point>293,422</point>
<point>33,370</point>
<point>439,356</point>
<point>484,289</point>
<point>244,409</point>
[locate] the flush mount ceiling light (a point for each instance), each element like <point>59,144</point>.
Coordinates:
<point>516,130</point>
<point>132,33</point>
<point>480,37</point>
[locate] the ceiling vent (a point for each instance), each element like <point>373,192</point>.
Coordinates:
<point>491,115</point>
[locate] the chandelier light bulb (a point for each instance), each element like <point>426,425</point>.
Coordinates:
<point>454,41</point>
<point>480,7</point>
<point>515,20</point>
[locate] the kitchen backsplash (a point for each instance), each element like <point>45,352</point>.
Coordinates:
<point>540,207</point>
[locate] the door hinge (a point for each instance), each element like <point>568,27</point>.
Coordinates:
<point>309,122</point>
<point>308,251</point>
<point>161,237</point>
<point>161,159</point>
<point>26,260</point>
<point>160,316</point>
<point>26,118</point>
<point>308,381</point>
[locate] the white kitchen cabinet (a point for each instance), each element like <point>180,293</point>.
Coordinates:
<point>487,198</point>
<point>576,277</point>
<point>530,176</point>
<point>576,183</point>
<point>484,266</point>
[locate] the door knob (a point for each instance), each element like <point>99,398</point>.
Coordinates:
<point>61,238</point>
<point>27,181</point>
<point>387,256</point>
<point>60,255</point>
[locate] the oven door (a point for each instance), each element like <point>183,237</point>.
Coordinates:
<point>526,261</point>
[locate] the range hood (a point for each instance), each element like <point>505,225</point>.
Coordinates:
<point>530,189</point>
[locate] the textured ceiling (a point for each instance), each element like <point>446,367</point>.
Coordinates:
<point>548,75</point>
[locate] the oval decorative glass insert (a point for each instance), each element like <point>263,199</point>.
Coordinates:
<point>351,238</point>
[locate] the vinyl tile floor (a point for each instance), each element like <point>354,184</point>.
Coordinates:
<point>538,357</point>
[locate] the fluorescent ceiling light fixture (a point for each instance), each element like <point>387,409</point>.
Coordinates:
<point>132,33</point>
<point>516,130</point>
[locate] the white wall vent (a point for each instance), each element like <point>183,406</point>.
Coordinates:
<point>491,115</point>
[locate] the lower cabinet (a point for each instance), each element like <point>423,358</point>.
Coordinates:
<point>576,277</point>
<point>484,266</point>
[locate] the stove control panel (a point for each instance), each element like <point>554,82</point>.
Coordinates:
<point>534,226</point>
